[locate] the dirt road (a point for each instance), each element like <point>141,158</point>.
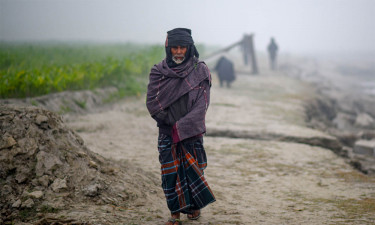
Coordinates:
<point>256,180</point>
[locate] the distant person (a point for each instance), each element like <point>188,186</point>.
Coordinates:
<point>225,71</point>
<point>178,96</point>
<point>272,50</point>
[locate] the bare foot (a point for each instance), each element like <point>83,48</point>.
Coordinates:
<point>195,215</point>
<point>174,220</point>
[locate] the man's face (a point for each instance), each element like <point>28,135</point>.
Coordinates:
<point>178,53</point>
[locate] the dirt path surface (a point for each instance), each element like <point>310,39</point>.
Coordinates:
<point>255,180</point>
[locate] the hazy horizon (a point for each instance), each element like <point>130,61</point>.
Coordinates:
<point>309,26</point>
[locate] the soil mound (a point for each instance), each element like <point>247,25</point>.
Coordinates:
<point>45,168</point>
<point>68,101</point>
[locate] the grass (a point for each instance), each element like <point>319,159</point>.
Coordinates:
<point>48,209</point>
<point>81,104</point>
<point>34,69</point>
<point>355,176</point>
<point>356,208</point>
<point>27,213</point>
<point>34,103</point>
<point>347,209</point>
<point>350,209</point>
<point>64,109</point>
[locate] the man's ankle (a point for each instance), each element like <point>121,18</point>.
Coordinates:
<point>175,215</point>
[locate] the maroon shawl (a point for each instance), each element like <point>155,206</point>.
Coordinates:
<point>169,85</point>
<point>166,85</point>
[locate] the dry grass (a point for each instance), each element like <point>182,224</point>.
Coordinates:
<point>349,209</point>
<point>355,177</point>
<point>356,208</point>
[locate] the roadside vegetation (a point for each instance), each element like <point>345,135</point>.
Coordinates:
<point>34,69</point>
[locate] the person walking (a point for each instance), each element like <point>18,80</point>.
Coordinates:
<point>178,96</point>
<point>272,50</point>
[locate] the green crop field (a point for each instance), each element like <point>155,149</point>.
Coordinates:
<point>28,70</point>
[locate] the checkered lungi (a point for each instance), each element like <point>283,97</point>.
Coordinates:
<point>183,181</point>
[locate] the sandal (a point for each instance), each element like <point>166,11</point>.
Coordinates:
<point>173,220</point>
<point>191,217</point>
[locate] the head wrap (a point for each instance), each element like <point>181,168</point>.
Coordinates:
<point>180,37</point>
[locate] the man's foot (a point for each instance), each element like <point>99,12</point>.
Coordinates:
<point>195,215</point>
<point>174,220</point>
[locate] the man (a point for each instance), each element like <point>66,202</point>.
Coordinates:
<point>272,50</point>
<point>225,71</point>
<point>178,96</point>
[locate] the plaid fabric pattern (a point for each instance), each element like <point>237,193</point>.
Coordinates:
<point>183,181</point>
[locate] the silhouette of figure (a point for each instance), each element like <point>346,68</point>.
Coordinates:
<point>272,50</point>
<point>225,70</point>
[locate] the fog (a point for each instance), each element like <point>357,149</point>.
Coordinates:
<point>308,26</point>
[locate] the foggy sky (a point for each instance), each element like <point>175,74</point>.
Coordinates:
<point>299,26</point>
